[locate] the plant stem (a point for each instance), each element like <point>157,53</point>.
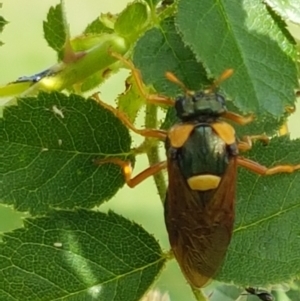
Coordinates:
<point>199,296</point>
<point>153,153</point>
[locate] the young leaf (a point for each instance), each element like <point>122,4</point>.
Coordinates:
<point>160,50</point>
<point>131,21</point>
<point>97,26</point>
<point>54,28</point>
<point>131,100</point>
<point>50,145</point>
<point>265,246</point>
<point>152,3</point>
<point>81,255</point>
<point>243,36</point>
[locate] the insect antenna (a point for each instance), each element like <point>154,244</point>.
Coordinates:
<point>172,78</point>
<point>226,74</point>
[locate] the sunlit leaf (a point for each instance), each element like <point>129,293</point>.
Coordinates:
<point>50,145</point>
<point>242,35</point>
<point>131,21</point>
<point>81,255</point>
<point>54,28</point>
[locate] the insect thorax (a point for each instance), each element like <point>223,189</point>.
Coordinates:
<point>204,152</point>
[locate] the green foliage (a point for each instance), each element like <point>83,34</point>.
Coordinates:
<point>53,136</point>
<point>52,145</point>
<point>83,263</point>
<point>131,101</point>
<point>242,36</point>
<point>55,30</point>
<point>167,53</point>
<point>152,3</point>
<point>135,13</point>
<point>99,26</point>
<point>267,212</point>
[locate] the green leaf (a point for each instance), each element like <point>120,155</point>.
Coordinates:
<point>242,35</point>
<point>131,21</point>
<point>294,293</point>
<point>160,50</point>
<point>265,246</point>
<point>98,26</point>
<point>131,100</point>
<point>288,10</point>
<point>81,255</point>
<point>50,145</point>
<point>227,293</point>
<point>152,3</point>
<point>54,28</point>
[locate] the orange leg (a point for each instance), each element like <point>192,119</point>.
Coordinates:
<point>127,170</point>
<point>246,142</point>
<point>242,120</point>
<point>264,171</point>
<point>150,133</point>
<point>151,98</point>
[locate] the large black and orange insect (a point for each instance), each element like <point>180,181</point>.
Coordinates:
<point>202,159</point>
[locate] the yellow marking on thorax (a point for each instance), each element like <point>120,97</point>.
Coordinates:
<point>179,133</point>
<point>225,131</point>
<point>204,182</point>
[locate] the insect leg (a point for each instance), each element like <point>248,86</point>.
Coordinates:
<point>151,133</point>
<point>239,119</point>
<point>127,170</point>
<point>246,142</point>
<point>243,120</point>
<point>151,98</point>
<point>263,170</point>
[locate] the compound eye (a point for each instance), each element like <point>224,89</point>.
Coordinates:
<point>221,99</point>
<point>179,105</point>
<point>184,106</point>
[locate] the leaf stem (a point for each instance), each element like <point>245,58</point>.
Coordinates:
<point>199,296</point>
<point>153,152</point>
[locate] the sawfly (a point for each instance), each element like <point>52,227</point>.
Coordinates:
<point>202,153</point>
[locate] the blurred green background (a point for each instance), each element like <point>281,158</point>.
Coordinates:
<point>26,52</point>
